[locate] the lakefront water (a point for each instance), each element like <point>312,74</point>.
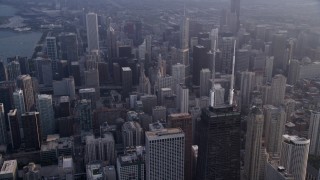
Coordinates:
<point>13,43</point>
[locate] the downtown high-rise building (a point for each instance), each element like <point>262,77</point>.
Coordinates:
<point>247,85</point>
<point>91,80</point>
<point>182,98</point>
<point>13,70</point>
<point>14,129</point>
<point>184,121</point>
<point>275,119</point>
<point>314,133</point>
<point>254,161</point>
<point>24,82</point>
<point>205,76</point>
<point>44,70</point>
<point>132,134</point>
<point>227,48</point>
<point>18,100</point>
<point>294,155</point>
<point>218,139</point>
<point>178,73</point>
<point>3,72</point>
<point>3,129</point>
<point>52,51</point>
<point>45,108</point>
<point>31,124</point>
<point>165,153</point>
<point>184,33</point>
<point>83,114</point>
<point>92,31</point>
<point>127,84</point>
<point>278,89</point>
<point>69,46</point>
<point>131,165</point>
<point>101,148</point>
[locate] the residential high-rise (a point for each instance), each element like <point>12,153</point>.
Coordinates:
<point>205,75</point>
<point>3,72</point>
<point>275,119</point>
<point>52,51</point>
<point>102,148</point>
<point>92,31</point>
<point>184,33</point>
<point>91,80</point>
<point>253,159</point>
<point>294,155</point>
<point>18,99</point>
<point>183,98</point>
<point>201,60</point>
<point>227,48</point>
<point>218,139</point>
<point>31,124</point>
<point>314,134</point>
<point>131,165</point>
<point>165,153</point>
<point>159,113</point>
<point>132,134</point>
<point>24,82</point>
<point>3,129</point>
<point>149,102</point>
<point>45,108</point>
<point>294,71</point>
<point>184,121</point>
<point>69,46</point>
<point>83,114</point>
<point>278,89</point>
<point>14,129</point>
<point>44,71</point>
<point>126,75</point>
<point>13,70</point>
<point>247,85</point>
<point>178,73</point>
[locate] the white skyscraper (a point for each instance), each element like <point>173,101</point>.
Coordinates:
<point>165,153</point>
<point>182,98</point>
<point>205,75</point>
<point>18,101</point>
<point>275,119</point>
<point>185,33</point>
<point>294,155</point>
<point>314,134</point>
<point>45,108</point>
<point>92,31</point>
<point>178,73</point>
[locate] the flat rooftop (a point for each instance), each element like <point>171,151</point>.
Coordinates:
<point>126,69</point>
<point>9,167</point>
<point>163,132</point>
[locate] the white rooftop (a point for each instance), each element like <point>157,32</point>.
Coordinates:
<point>9,167</point>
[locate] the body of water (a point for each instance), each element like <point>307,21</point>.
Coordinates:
<point>13,43</point>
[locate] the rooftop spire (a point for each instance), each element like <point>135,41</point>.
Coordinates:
<point>232,75</point>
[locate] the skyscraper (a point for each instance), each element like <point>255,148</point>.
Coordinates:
<point>178,73</point>
<point>52,51</point>
<point>24,82</point>
<point>294,71</point>
<point>278,89</point>
<point>184,33</point>
<point>253,159</point>
<point>314,134</point>
<point>3,72</point>
<point>201,60</point>
<point>219,144</point>
<point>18,99</point>
<point>83,113</point>
<point>165,153</point>
<point>3,129</point>
<point>183,98</point>
<point>32,130</point>
<point>205,75</point>
<point>247,85</point>
<point>275,119</point>
<point>45,108</point>
<point>131,165</point>
<point>102,148</point>
<point>91,80</point>
<point>227,48</point>
<point>132,134</point>
<point>13,70</point>
<point>69,46</point>
<point>126,75</point>
<point>278,50</point>
<point>294,155</point>
<point>44,71</point>
<point>92,31</point>
<point>14,129</point>
<point>184,121</point>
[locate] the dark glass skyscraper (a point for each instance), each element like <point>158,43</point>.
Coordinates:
<point>218,139</point>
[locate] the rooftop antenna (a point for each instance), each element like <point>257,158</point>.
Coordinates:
<point>231,93</point>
